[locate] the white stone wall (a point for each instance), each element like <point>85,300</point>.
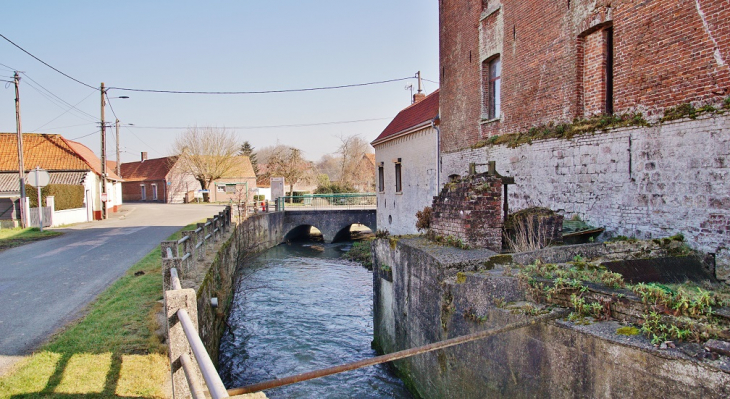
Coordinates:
<point>645,182</point>
<point>419,161</point>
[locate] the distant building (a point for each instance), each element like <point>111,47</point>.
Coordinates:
<point>157,180</point>
<point>238,183</point>
<point>69,164</point>
<point>406,156</point>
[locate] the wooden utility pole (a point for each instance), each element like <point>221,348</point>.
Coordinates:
<point>21,166</point>
<point>103,155</point>
<point>119,161</point>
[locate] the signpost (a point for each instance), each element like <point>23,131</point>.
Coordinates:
<point>39,178</point>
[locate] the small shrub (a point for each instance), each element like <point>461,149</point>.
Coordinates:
<point>384,233</point>
<point>423,219</point>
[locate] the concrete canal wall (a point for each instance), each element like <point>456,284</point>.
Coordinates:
<point>423,293</point>
<point>256,234</point>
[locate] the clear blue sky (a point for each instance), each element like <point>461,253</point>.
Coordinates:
<point>217,46</point>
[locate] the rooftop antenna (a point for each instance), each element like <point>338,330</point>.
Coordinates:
<point>410,87</point>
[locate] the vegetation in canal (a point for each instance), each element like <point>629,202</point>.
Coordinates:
<point>662,312</point>
<point>114,350</point>
<point>361,252</point>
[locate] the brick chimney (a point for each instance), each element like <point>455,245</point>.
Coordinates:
<point>418,97</point>
<point>144,156</point>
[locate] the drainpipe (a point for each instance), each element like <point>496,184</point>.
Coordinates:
<point>435,125</point>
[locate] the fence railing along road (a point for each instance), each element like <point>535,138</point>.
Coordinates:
<point>327,202</point>
<point>189,360</point>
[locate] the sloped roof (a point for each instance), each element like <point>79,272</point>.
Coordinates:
<point>9,181</point>
<point>91,159</point>
<point>49,151</point>
<point>412,116</point>
<point>370,157</point>
<point>242,168</point>
<point>149,169</point>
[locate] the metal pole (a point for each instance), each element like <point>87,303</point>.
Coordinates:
<point>119,161</point>
<point>398,355</point>
<point>21,166</point>
<point>210,375</point>
<point>40,209</point>
<point>103,156</point>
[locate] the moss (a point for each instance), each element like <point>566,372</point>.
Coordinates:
<point>502,259</point>
<point>393,242</point>
<point>726,103</point>
<point>460,278</point>
<point>628,331</point>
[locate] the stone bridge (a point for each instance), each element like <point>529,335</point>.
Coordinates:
<point>334,224</point>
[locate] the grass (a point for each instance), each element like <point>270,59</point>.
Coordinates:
<point>10,238</point>
<point>112,351</point>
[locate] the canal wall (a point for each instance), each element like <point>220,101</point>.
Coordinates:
<point>255,234</point>
<point>424,293</point>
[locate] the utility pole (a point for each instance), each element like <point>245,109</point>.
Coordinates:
<point>119,161</point>
<point>103,155</point>
<point>21,166</point>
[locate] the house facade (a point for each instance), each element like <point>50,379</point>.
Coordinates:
<point>615,112</point>
<point>239,183</point>
<point>406,157</point>
<point>69,164</point>
<point>157,180</point>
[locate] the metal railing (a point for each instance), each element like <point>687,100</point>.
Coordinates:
<point>327,201</point>
<point>181,309</point>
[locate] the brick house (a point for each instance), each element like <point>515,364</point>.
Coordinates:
<point>239,181</point>
<point>508,66</point>
<point>157,180</point>
<point>68,163</point>
<point>406,156</point>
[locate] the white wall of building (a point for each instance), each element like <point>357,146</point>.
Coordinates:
<point>418,152</point>
<point>644,182</point>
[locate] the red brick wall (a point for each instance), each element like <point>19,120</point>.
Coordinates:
<point>131,191</point>
<point>666,53</point>
<point>593,82</point>
<point>460,95</point>
<point>470,210</point>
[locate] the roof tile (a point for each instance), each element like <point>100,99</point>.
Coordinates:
<point>415,114</point>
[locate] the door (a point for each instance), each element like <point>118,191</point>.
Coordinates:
<point>154,192</point>
<point>143,192</point>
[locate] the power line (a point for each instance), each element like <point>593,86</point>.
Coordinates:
<point>71,107</point>
<point>86,135</point>
<point>264,126</point>
<point>61,99</point>
<point>10,68</point>
<point>262,91</point>
<point>149,147</point>
<point>47,64</point>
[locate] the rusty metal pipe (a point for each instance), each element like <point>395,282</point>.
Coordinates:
<point>397,355</point>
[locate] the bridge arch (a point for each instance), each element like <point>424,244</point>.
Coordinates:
<point>332,223</point>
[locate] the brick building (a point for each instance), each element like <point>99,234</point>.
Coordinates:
<point>157,180</point>
<point>508,66</point>
<point>550,61</point>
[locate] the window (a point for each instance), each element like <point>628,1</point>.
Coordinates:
<point>154,192</point>
<point>381,178</point>
<point>495,88</point>
<point>143,192</point>
<point>230,188</point>
<point>221,189</point>
<point>398,183</point>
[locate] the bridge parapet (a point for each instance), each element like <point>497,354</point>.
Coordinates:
<point>329,221</point>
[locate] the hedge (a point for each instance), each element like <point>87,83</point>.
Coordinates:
<point>66,196</point>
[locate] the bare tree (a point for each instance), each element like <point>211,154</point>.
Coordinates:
<point>351,151</point>
<point>287,162</point>
<point>208,153</point>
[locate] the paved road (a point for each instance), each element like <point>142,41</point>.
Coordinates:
<point>45,284</point>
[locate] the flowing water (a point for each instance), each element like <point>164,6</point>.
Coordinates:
<point>301,308</point>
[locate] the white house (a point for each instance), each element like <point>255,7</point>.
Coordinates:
<point>406,157</point>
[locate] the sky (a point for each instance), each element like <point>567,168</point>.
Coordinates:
<point>215,46</point>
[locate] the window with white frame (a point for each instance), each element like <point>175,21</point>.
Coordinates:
<point>492,87</point>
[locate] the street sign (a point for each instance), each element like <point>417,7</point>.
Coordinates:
<point>103,197</point>
<point>38,178</point>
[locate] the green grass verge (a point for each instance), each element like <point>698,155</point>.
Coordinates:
<point>112,351</point>
<point>10,238</point>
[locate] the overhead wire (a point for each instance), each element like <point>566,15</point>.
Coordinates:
<point>86,135</point>
<point>262,91</point>
<point>73,107</point>
<point>61,99</point>
<point>47,64</point>
<point>265,126</point>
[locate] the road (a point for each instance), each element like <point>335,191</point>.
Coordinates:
<point>45,284</point>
